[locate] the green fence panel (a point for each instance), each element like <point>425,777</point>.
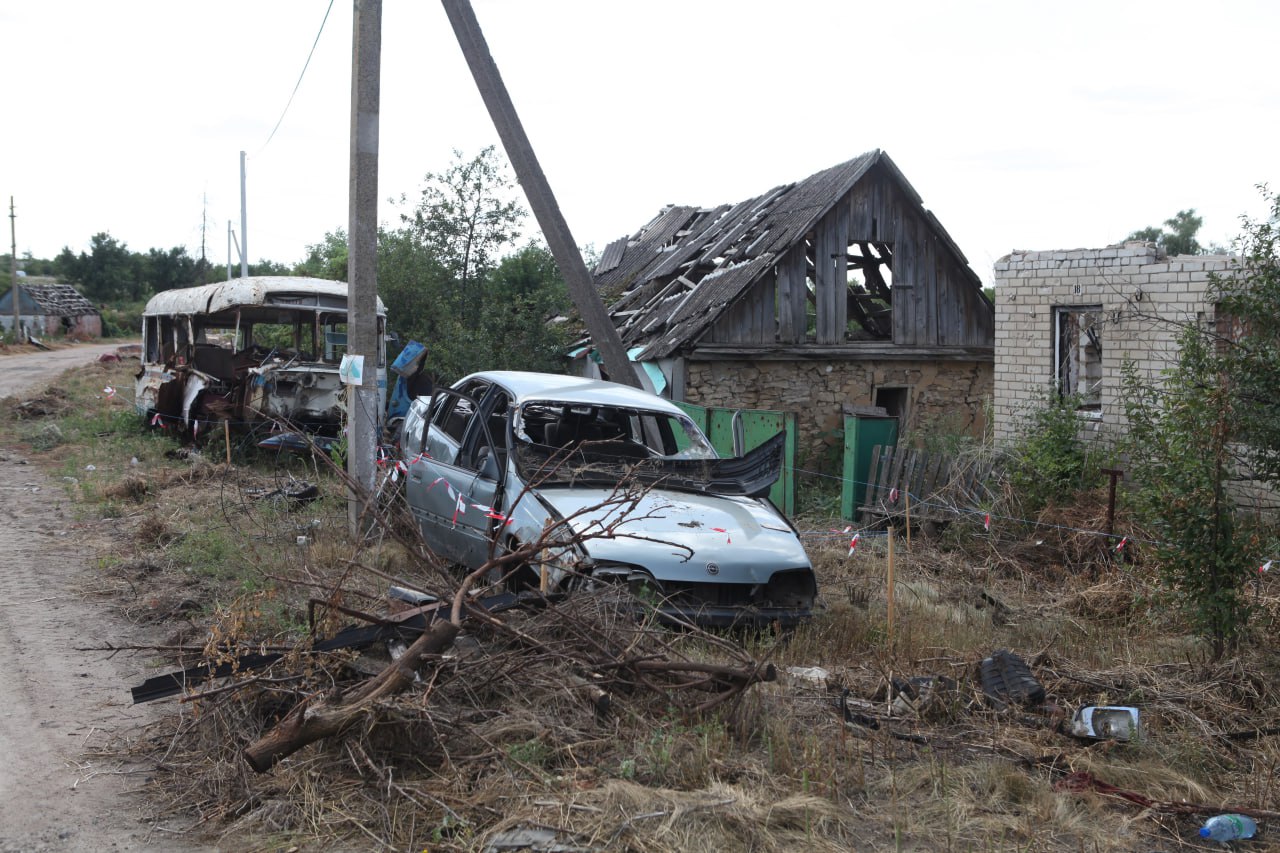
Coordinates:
<point>861,434</point>
<point>758,426</point>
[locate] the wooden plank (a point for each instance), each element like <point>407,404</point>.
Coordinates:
<point>903,271</point>
<point>932,484</point>
<point>912,459</point>
<point>886,466</point>
<point>872,474</point>
<point>829,330</point>
<point>792,296</point>
<point>840,275</point>
<point>766,309</point>
<point>918,475</point>
<point>928,294</point>
<point>895,475</point>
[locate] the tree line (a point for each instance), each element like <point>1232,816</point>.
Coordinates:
<point>455,272</point>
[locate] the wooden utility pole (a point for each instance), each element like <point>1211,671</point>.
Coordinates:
<point>543,202</point>
<point>13,271</point>
<point>364,414</point>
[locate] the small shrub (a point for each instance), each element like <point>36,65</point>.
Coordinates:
<point>47,437</point>
<point>1049,460</point>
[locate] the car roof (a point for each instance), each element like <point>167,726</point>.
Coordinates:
<point>526,385</point>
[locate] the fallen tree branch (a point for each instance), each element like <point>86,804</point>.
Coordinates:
<point>306,723</point>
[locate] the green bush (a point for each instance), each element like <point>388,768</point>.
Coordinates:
<point>1049,460</point>
<point>1181,436</point>
<point>122,321</point>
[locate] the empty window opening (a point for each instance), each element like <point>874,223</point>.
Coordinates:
<point>1077,350</point>
<point>894,400</point>
<point>870,299</point>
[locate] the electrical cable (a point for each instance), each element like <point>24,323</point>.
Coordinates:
<point>297,85</point>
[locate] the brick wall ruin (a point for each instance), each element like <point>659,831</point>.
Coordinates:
<point>1133,300</point>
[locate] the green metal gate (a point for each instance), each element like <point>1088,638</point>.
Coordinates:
<point>757,426</point>
<point>861,434</point>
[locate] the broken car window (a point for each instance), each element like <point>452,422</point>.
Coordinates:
<point>615,438</point>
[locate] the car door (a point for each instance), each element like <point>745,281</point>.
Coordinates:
<point>451,490</point>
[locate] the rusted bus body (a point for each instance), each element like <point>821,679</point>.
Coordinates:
<point>249,351</point>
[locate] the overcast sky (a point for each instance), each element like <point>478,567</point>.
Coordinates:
<point>1026,125</point>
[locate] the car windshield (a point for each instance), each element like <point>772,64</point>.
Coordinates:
<point>609,441</point>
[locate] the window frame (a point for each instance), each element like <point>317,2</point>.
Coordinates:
<point>1067,382</point>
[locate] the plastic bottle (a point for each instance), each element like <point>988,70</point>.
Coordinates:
<point>1228,827</point>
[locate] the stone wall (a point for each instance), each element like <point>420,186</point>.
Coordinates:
<point>947,395</point>
<point>1145,297</point>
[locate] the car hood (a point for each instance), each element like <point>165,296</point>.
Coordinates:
<point>677,535</point>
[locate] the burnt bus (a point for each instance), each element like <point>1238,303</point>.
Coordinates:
<point>250,351</point>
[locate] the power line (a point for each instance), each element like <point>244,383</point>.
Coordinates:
<point>300,76</point>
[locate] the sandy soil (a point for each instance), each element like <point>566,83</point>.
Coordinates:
<point>57,704</point>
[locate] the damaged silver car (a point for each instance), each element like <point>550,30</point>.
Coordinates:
<point>264,349</point>
<point>611,484</point>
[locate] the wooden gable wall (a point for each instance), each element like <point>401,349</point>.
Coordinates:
<point>936,301</point>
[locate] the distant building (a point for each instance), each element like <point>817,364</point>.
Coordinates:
<point>47,308</point>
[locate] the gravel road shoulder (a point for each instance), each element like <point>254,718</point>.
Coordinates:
<point>58,705</point>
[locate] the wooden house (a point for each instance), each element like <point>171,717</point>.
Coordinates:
<point>837,291</point>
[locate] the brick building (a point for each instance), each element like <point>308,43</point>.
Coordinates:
<point>1068,321</point>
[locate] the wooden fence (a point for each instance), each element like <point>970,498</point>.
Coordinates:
<point>935,485</point>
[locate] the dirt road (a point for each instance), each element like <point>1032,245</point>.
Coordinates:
<point>32,369</point>
<point>57,704</point>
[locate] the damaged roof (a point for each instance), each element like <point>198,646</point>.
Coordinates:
<point>674,277</point>
<point>50,300</point>
<point>281,290</point>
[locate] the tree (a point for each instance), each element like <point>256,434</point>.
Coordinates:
<point>525,295</point>
<point>110,272</point>
<point>1247,340</point>
<point>1214,419</point>
<point>326,259</point>
<point>1180,450</point>
<point>166,270</point>
<point>453,277</point>
<point>466,217</point>
<point>1179,238</point>
<point>266,267</point>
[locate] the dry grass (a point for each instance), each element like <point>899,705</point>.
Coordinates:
<point>492,739</point>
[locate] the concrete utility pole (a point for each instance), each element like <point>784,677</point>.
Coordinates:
<point>244,225</point>
<point>545,209</point>
<point>13,271</point>
<point>364,415</point>
<point>228,250</point>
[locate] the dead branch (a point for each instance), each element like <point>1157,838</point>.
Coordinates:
<point>307,723</point>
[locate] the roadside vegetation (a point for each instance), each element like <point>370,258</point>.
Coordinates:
<point>211,559</point>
